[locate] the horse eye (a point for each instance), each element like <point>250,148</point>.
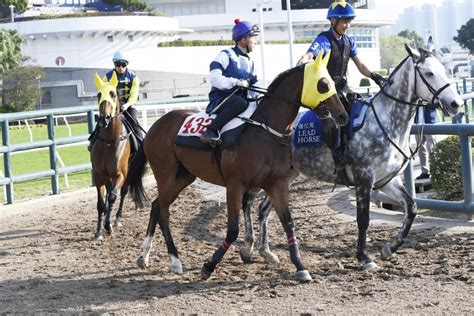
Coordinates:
<point>98,95</point>
<point>323,85</point>
<point>112,94</point>
<point>429,73</point>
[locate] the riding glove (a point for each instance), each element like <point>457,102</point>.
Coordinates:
<point>242,83</point>
<point>379,80</point>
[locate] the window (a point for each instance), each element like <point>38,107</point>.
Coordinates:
<point>110,38</point>
<point>130,38</point>
<point>145,95</point>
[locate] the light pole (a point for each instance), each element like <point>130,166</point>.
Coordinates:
<point>12,18</point>
<point>262,36</point>
<point>290,30</point>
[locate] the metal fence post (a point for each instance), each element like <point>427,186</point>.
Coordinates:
<point>90,121</point>
<point>466,155</point>
<point>409,181</point>
<point>52,155</point>
<point>466,108</point>
<point>7,163</point>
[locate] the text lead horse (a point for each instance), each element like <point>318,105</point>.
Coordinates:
<point>380,149</point>
<point>258,160</point>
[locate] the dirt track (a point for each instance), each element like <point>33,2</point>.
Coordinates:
<point>48,264</point>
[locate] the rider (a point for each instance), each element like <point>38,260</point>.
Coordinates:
<point>127,91</point>
<point>343,48</point>
<point>231,71</point>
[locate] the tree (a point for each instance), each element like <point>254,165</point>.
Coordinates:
<point>465,36</point>
<point>21,90</point>
<point>415,40</point>
<point>10,50</point>
<point>20,6</point>
<point>131,5</point>
<point>392,51</point>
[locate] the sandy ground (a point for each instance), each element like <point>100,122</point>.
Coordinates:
<point>48,263</point>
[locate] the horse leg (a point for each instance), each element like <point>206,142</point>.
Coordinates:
<point>397,191</point>
<point>235,194</point>
<point>247,249</point>
<point>264,210</point>
<point>363,185</point>
<point>169,191</point>
<point>118,215</point>
<point>116,184</point>
<point>101,207</point>
<point>279,196</point>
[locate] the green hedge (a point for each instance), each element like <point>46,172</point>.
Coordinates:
<point>446,168</point>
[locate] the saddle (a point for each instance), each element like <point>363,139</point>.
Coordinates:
<point>195,125</point>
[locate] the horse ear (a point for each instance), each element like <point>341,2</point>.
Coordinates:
<point>415,54</point>
<point>326,58</point>
<point>113,81</point>
<point>319,60</point>
<point>98,82</point>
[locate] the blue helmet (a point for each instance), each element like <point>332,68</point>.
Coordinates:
<point>243,29</point>
<point>341,10</point>
<point>119,57</point>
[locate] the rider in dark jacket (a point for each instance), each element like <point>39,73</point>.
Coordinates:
<point>343,48</point>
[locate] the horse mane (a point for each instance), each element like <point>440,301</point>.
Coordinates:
<point>276,82</point>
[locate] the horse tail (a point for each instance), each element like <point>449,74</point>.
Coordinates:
<point>136,170</point>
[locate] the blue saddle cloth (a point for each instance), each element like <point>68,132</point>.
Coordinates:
<point>358,111</point>
<point>309,131</point>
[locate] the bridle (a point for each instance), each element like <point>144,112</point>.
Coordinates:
<point>435,93</point>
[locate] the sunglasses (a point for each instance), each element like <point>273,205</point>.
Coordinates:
<point>120,64</point>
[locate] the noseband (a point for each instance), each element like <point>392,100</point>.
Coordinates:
<point>435,92</point>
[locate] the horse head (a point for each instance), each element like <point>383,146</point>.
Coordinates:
<point>431,82</point>
<point>109,105</point>
<point>319,91</point>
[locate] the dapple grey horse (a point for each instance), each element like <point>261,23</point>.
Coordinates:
<point>380,150</point>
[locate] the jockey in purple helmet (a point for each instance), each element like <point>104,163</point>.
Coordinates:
<point>232,69</point>
<point>343,48</point>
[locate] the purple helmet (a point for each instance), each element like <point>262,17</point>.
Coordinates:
<point>243,29</point>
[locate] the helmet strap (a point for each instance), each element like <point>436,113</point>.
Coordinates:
<point>334,28</point>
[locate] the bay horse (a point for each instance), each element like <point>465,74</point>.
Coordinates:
<point>109,156</point>
<point>380,150</point>
<point>259,159</point>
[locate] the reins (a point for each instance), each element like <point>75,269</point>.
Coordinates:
<point>436,93</point>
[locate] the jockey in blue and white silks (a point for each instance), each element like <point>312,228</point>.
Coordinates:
<point>343,48</point>
<point>230,73</point>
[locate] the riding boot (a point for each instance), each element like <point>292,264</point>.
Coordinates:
<point>92,138</point>
<point>236,106</point>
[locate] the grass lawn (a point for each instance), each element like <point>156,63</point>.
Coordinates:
<point>38,160</point>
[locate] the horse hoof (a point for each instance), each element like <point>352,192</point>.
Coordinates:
<point>97,237</point>
<point>176,266</point>
<point>141,263</point>
<point>368,266</point>
<point>108,232</point>
<point>303,276</point>
<point>205,273</point>
<point>245,256</point>
<point>269,257</point>
<point>386,252</point>
<point>118,222</point>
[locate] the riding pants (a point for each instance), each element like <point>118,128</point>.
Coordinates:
<point>234,106</point>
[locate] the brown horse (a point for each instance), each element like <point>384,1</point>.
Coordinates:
<point>258,160</point>
<point>109,156</point>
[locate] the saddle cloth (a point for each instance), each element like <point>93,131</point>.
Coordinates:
<point>195,125</point>
<point>309,130</point>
